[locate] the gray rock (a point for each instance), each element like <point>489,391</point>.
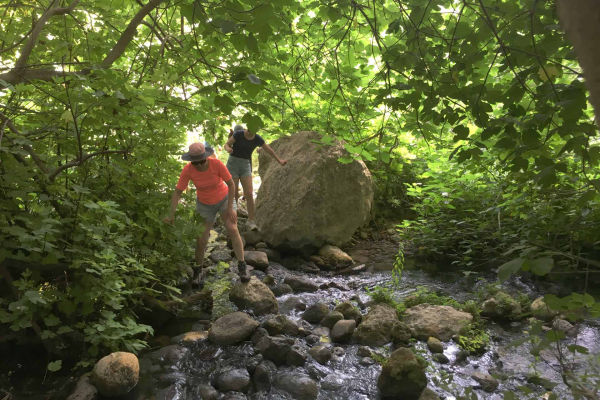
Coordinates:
<point>349,311</point>
<point>252,237</point>
<point>237,380</point>
<point>263,375</point>
<point>169,355</point>
<point>84,390</point>
<point>292,303</point>
<point>501,307</point>
<point>315,313</point>
<point>565,327</point>
<point>322,331</point>
<point>441,358</point>
<point>301,284</point>
<point>338,351</point>
<point>337,196</point>
<point>281,289</point>
<point>442,322</point>
<point>363,351</point>
<point>342,330</point>
<point>381,326</point>
<point>402,376</point>
<point>312,339</point>
<point>435,345</point>
<point>232,328</point>
<point>366,361</point>
<point>280,324</point>
<point>258,259</point>
<point>330,319</point>
<point>207,392</point>
<point>296,356</point>
<point>254,295</point>
<point>320,353</point>
<point>300,386</point>
<point>486,381</point>
<point>334,256</point>
<point>428,394</point>
<point>234,396</point>
<point>221,255</point>
<point>275,348</point>
<point>258,334</point>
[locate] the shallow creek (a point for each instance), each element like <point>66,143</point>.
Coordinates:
<point>180,373</point>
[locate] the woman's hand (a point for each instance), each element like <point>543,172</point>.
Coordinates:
<point>282,162</point>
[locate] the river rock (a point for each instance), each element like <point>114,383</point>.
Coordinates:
<point>275,348</point>
<point>486,381</point>
<point>208,392</point>
<point>435,345</point>
<point>254,295</point>
<point>337,197</point>
<point>234,396</point>
<point>428,394</point>
<point>442,322</point>
<point>540,310</point>
<point>280,324</point>
<point>258,259</point>
<point>220,255</point>
<point>252,237</point>
<point>190,337</point>
<point>501,307</point>
<point>84,390</point>
<point>300,386</point>
<point>169,355</point>
<point>330,319</point>
<point>564,326</point>
<point>296,355</point>
<point>263,376</point>
<point>334,257</point>
<point>258,334</point>
<point>381,326</point>
<point>342,330</point>
<point>301,284</point>
<point>320,353</point>
<point>402,376</point>
<point>116,374</point>
<point>237,380</point>
<point>349,311</point>
<point>281,289</point>
<point>232,328</point>
<point>315,313</point>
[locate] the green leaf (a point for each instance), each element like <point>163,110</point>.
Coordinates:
<point>541,266</point>
<point>54,366</point>
<point>225,104</point>
<point>253,122</point>
<point>509,268</point>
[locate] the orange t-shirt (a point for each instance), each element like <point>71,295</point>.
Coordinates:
<point>210,184</point>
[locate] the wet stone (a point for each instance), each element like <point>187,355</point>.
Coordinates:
<point>363,351</point>
<point>300,386</point>
<point>223,255</point>
<point>296,355</point>
<point>342,331</point>
<point>338,351</point>
<point>333,382</point>
<point>234,396</point>
<point>435,345</point>
<point>316,312</point>
<point>280,324</point>
<point>259,334</point>
<point>170,355</point>
<point>366,361</point>
<point>275,348</point>
<point>263,375</point>
<point>486,381</point>
<point>312,339</point>
<point>207,392</point>
<point>301,284</point>
<point>330,319</point>
<point>281,289</point>
<point>321,354</point>
<point>441,358</point>
<point>237,380</point>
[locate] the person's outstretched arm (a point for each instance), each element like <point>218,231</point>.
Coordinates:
<point>174,201</point>
<point>269,150</point>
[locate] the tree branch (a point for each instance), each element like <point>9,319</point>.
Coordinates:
<point>83,159</point>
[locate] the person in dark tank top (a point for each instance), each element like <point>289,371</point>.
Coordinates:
<point>240,146</point>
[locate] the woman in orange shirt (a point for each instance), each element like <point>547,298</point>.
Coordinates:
<point>214,192</point>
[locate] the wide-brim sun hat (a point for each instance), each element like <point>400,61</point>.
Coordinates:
<point>198,152</point>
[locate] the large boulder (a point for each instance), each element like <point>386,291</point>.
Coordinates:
<point>402,376</point>
<point>116,374</point>
<point>381,326</point>
<point>254,295</point>
<point>442,322</point>
<point>329,199</point>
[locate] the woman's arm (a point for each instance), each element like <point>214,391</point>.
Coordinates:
<point>229,144</point>
<point>269,150</point>
<point>174,201</point>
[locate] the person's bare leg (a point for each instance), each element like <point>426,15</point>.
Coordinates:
<point>248,195</point>
<point>236,185</point>
<point>238,248</point>
<point>201,243</point>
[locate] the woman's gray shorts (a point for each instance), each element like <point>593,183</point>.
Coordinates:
<point>209,211</point>
<point>239,167</point>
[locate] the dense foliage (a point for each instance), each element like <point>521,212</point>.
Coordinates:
<point>479,106</point>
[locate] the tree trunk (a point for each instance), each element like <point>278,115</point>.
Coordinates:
<point>581,21</point>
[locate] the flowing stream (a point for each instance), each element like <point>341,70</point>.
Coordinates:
<point>177,372</point>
